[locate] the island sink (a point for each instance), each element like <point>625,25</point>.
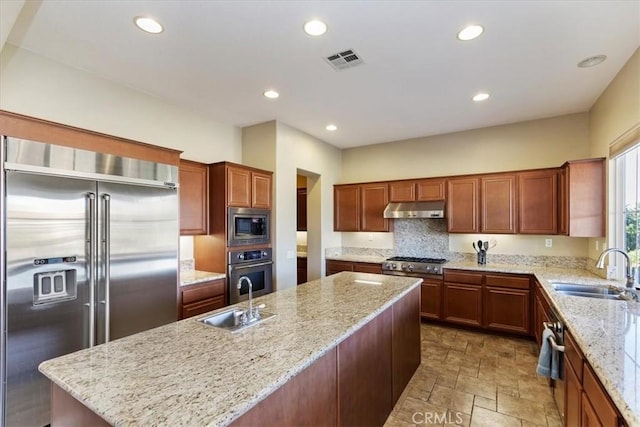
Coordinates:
<point>231,320</point>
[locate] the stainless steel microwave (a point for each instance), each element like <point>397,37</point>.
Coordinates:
<point>248,226</point>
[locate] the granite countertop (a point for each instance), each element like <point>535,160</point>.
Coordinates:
<point>607,331</point>
<point>190,374</point>
<point>301,254</point>
<point>191,277</point>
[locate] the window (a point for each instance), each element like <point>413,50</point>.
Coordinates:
<point>626,198</point>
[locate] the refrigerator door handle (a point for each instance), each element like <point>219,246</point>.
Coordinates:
<point>92,243</point>
<point>106,240</point>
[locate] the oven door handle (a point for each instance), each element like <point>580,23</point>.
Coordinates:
<point>552,339</point>
<point>245,266</point>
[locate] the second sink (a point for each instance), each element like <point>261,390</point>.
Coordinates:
<point>230,320</point>
<point>589,291</point>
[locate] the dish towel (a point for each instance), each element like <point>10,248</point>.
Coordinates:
<point>549,359</point>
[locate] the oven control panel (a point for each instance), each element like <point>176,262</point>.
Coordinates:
<point>253,255</point>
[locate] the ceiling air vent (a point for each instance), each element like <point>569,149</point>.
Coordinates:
<point>343,60</point>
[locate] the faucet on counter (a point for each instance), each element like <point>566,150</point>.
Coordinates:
<point>630,271</point>
<point>250,314</point>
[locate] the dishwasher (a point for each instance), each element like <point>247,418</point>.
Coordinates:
<point>556,326</point>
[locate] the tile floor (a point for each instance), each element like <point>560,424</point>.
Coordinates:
<point>475,379</point>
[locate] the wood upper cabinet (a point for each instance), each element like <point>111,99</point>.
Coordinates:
<point>194,198</point>
<point>498,204</point>
<point>248,188</point>
<point>462,205</point>
<point>507,303</point>
<point>582,198</point>
<point>538,202</point>
<point>374,198</point>
<point>360,207</point>
<point>346,207</point>
<point>423,190</point>
<point>301,210</point>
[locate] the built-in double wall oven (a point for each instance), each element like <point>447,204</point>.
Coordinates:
<point>257,265</point>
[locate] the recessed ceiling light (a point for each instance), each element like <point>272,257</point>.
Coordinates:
<point>480,97</point>
<point>271,94</point>
<point>592,61</point>
<point>147,24</point>
<point>331,127</point>
<point>315,27</point>
<point>470,32</point>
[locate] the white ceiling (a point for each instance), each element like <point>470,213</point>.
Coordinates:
<point>219,56</point>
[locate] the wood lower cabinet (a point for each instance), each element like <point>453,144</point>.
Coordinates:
<point>302,270</point>
<point>462,297</point>
<point>586,402</point>
<point>538,202</point>
<point>334,266</point>
<point>202,297</point>
<point>507,303</point>
<point>194,198</point>
<point>431,299</point>
<point>405,342</point>
<point>463,196</point>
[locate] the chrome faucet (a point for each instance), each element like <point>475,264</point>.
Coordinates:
<point>251,314</point>
<point>630,271</point>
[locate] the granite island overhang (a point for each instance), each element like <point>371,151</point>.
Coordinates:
<point>188,373</point>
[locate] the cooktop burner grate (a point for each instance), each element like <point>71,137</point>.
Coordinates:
<point>416,259</point>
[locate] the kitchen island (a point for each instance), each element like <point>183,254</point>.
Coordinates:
<point>188,373</point>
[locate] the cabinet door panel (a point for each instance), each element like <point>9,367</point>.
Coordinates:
<point>374,200</point>
<point>572,397</point>
<point>431,299</point>
<point>499,204</point>
<point>507,310</point>
<point>538,202</point>
<point>260,190</point>
<point>333,267</point>
<point>463,304</point>
<point>598,398</point>
<point>402,191</point>
<point>238,187</point>
<point>194,198</point>
<point>462,206</point>
<point>430,190</point>
<point>346,208</point>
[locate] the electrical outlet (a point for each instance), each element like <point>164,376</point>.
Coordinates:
<point>597,245</point>
<point>548,243</point>
<point>370,237</point>
<point>290,255</point>
<point>611,272</point>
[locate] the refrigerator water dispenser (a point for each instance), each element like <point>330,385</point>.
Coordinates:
<point>54,286</point>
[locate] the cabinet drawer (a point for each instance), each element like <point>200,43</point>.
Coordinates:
<point>573,354</point>
<point>202,291</point>
<point>210,304</point>
<point>463,277</point>
<point>513,282</point>
<point>599,399</point>
<point>365,267</point>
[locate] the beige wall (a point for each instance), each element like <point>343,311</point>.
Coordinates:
<point>525,145</point>
<point>9,12</point>
<point>38,87</point>
<point>617,109</point>
<point>288,151</point>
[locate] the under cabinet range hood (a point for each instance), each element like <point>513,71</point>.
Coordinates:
<point>415,210</point>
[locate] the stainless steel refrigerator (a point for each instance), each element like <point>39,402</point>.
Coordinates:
<point>89,254</point>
